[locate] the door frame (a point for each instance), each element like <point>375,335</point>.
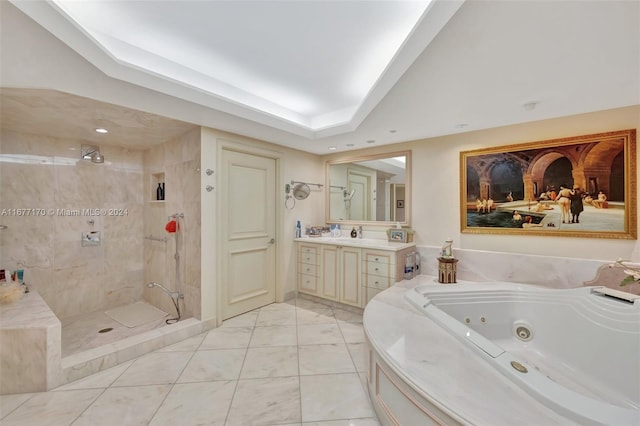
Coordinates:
<point>243,148</point>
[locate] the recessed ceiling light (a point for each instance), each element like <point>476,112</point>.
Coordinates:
<point>460,125</point>
<point>371,141</point>
<point>530,106</point>
<point>333,148</point>
<point>350,145</point>
<point>392,131</point>
<point>101,130</point>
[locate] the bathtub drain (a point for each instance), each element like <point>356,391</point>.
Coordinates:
<point>521,368</point>
<point>105,330</point>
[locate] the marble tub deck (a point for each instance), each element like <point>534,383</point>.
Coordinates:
<point>294,363</point>
<point>442,369</point>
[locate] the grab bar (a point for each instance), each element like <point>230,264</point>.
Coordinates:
<point>152,238</point>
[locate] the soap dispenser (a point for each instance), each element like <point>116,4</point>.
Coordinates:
<point>354,233</point>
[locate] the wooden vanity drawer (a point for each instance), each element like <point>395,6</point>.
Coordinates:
<point>308,283</point>
<point>308,269</point>
<point>378,282</point>
<point>380,269</point>
<point>311,250</point>
<point>309,259</point>
<point>370,256</point>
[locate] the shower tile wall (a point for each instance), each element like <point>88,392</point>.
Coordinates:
<point>179,161</point>
<point>46,173</point>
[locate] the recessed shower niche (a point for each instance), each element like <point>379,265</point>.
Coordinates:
<point>157,188</point>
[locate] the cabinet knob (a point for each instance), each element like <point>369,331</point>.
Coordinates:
<point>377,259</point>
<point>377,269</point>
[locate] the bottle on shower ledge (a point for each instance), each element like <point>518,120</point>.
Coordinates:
<point>160,191</point>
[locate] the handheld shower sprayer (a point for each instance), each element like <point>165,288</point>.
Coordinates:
<point>175,297</point>
<point>348,195</point>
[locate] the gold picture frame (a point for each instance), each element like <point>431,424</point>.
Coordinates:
<point>537,188</point>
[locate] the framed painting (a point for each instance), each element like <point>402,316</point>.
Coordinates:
<point>398,235</point>
<point>581,186</point>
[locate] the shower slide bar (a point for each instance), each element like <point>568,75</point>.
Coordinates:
<point>152,238</point>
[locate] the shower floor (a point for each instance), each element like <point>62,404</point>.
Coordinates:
<point>81,332</point>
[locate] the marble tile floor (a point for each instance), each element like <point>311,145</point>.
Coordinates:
<point>81,332</point>
<point>293,363</point>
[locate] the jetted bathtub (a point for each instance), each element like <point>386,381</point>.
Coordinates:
<point>575,350</point>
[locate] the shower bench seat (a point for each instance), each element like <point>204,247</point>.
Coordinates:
<point>30,346</point>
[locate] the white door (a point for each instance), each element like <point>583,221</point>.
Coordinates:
<point>248,232</point>
<point>358,206</point>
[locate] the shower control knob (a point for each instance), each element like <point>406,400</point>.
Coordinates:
<point>209,188</point>
<point>209,172</point>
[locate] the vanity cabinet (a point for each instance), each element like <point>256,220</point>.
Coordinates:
<point>381,269</point>
<point>308,268</point>
<point>347,273</point>
<point>340,274</point>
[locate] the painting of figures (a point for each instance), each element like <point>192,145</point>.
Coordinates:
<point>582,186</point>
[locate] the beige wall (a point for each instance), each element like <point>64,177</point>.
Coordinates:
<point>178,160</point>
<point>74,280</point>
<point>294,165</point>
<point>436,186</point>
<point>47,173</point>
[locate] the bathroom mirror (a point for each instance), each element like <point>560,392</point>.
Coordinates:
<point>372,189</point>
<point>301,191</point>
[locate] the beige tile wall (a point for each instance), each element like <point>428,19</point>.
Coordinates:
<point>46,173</point>
<point>179,160</point>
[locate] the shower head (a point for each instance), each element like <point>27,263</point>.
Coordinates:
<point>96,157</point>
<point>90,152</point>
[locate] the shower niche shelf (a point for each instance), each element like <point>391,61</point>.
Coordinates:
<point>157,182</point>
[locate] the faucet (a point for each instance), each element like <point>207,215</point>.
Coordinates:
<point>360,231</point>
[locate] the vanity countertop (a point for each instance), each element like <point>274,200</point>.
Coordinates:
<point>369,243</point>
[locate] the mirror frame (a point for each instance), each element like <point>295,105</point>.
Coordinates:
<point>354,159</point>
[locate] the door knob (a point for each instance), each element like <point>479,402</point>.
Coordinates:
<point>272,241</point>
